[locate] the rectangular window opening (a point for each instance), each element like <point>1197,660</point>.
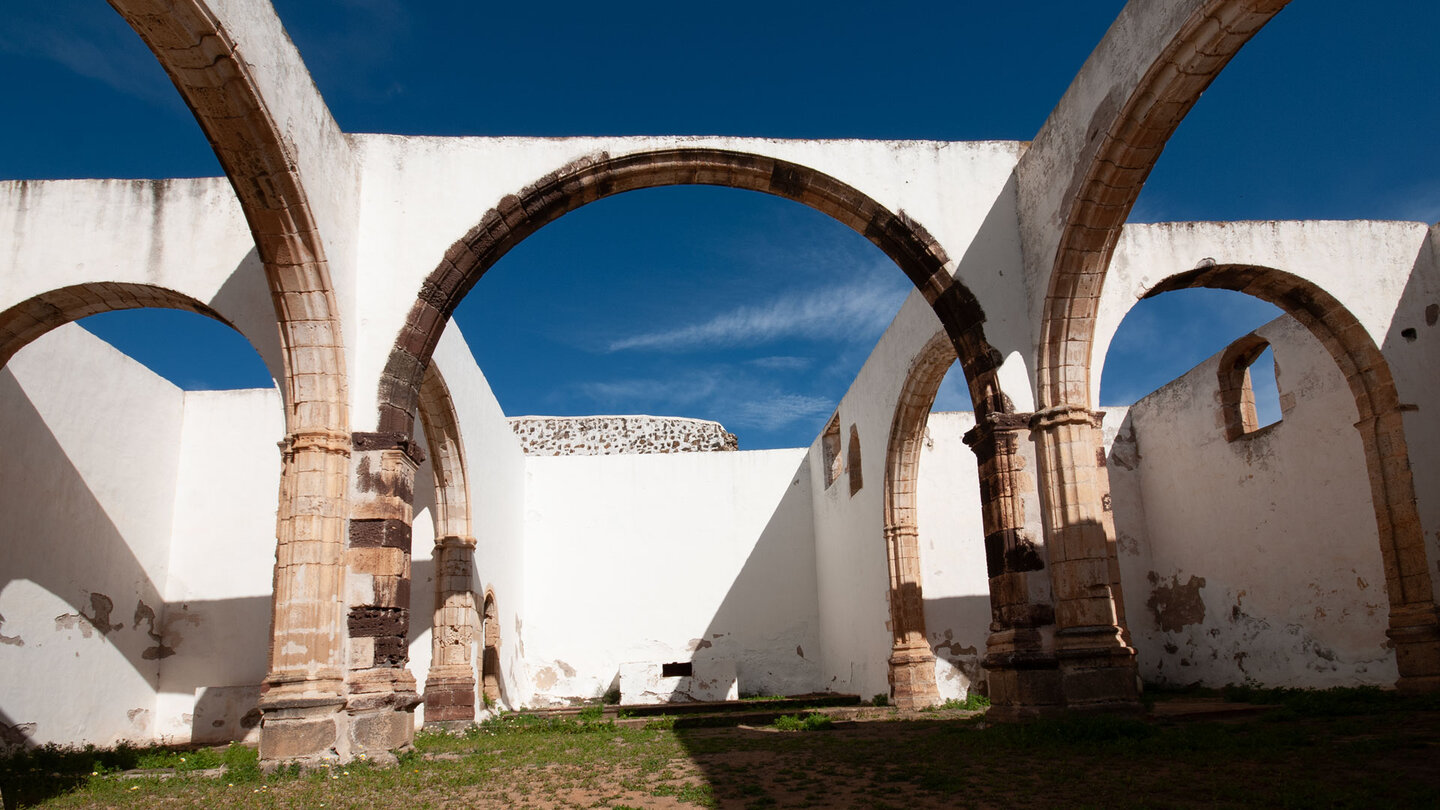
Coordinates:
<point>678,669</point>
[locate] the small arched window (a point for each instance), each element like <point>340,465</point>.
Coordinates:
<point>852,461</point>
<point>1249,387</point>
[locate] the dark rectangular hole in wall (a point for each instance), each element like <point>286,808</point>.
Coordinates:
<point>682,669</point>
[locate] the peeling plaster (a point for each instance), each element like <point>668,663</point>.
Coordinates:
<point>102,606</point>
<point>1176,605</point>
<point>13,641</point>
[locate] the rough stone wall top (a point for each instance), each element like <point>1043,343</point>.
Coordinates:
<point>612,435</point>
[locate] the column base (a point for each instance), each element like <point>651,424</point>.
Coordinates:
<point>381,712</point>
<point>449,699</point>
<point>1097,670</point>
<point>1024,678</point>
<point>1416,635</point>
<point>302,721</point>
<point>912,679</point>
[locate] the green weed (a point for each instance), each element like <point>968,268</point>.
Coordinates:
<point>810,722</point>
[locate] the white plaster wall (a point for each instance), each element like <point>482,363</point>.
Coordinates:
<point>88,476</point>
<point>186,235</point>
<point>661,558</point>
<point>1255,560</point>
<point>496,470</point>
<point>1384,273</point>
<point>421,194</point>
<point>222,560</point>
<point>952,554</point>
<point>850,558</point>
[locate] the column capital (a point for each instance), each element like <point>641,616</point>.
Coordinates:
<point>989,424</point>
<point>455,541</point>
<point>325,441</point>
<point>1060,415</point>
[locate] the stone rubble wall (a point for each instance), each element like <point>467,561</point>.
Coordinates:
<point>615,435</point>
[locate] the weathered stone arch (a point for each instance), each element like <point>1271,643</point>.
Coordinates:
<point>518,216</point>
<point>903,240</point>
<point>912,663</point>
<point>29,319</point>
<point>450,684</point>
<point>305,688</point>
<point>1126,140</point>
<point>1414,623</point>
<point>1021,667</point>
<point>1099,147</point>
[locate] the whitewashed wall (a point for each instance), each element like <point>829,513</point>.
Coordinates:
<point>1254,561</point>
<point>216,623</point>
<point>666,558</point>
<point>87,490</point>
<point>952,554</point>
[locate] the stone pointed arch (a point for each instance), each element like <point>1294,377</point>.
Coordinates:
<point>1078,183</point>
<point>29,319</point>
<point>1414,622</point>
<point>450,684</point>
<point>305,684</point>
<point>1127,130</point>
<point>518,216</point>
<point>912,663</point>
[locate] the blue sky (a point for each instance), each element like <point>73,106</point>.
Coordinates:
<point>702,302</point>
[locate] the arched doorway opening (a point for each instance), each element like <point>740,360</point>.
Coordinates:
<point>902,240</point>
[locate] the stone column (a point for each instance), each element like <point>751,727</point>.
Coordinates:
<point>450,684</point>
<point>382,692</point>
<point>1020,663</point>
<point>1097,667</point>
<point>1414,625</point>
<point>303,694</point>
<point>912,664</point>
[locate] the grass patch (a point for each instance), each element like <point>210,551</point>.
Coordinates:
<point>810,722</point>
<point>973,702</point>
<point>1348,748</point>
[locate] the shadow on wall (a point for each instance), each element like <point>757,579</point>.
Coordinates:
<point>245,299</point>
<point>764,623</point>
<point>62,548</point>
<point>1412,348</point>
<point>956,627</point>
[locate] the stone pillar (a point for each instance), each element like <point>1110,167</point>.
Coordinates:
<point>912,664</point>
<point>382,692</point>
<point>450,684</point>
<point>1020,664</point>
<point>1414,625</point>
<point>1097,667</point>
<point>303,695</point>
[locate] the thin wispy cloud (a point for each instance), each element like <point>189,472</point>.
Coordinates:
<point>782,363</point>
<point>857,309</point>
<point>780,411</point>
<point>681,391</point>
<point>100,47</point>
